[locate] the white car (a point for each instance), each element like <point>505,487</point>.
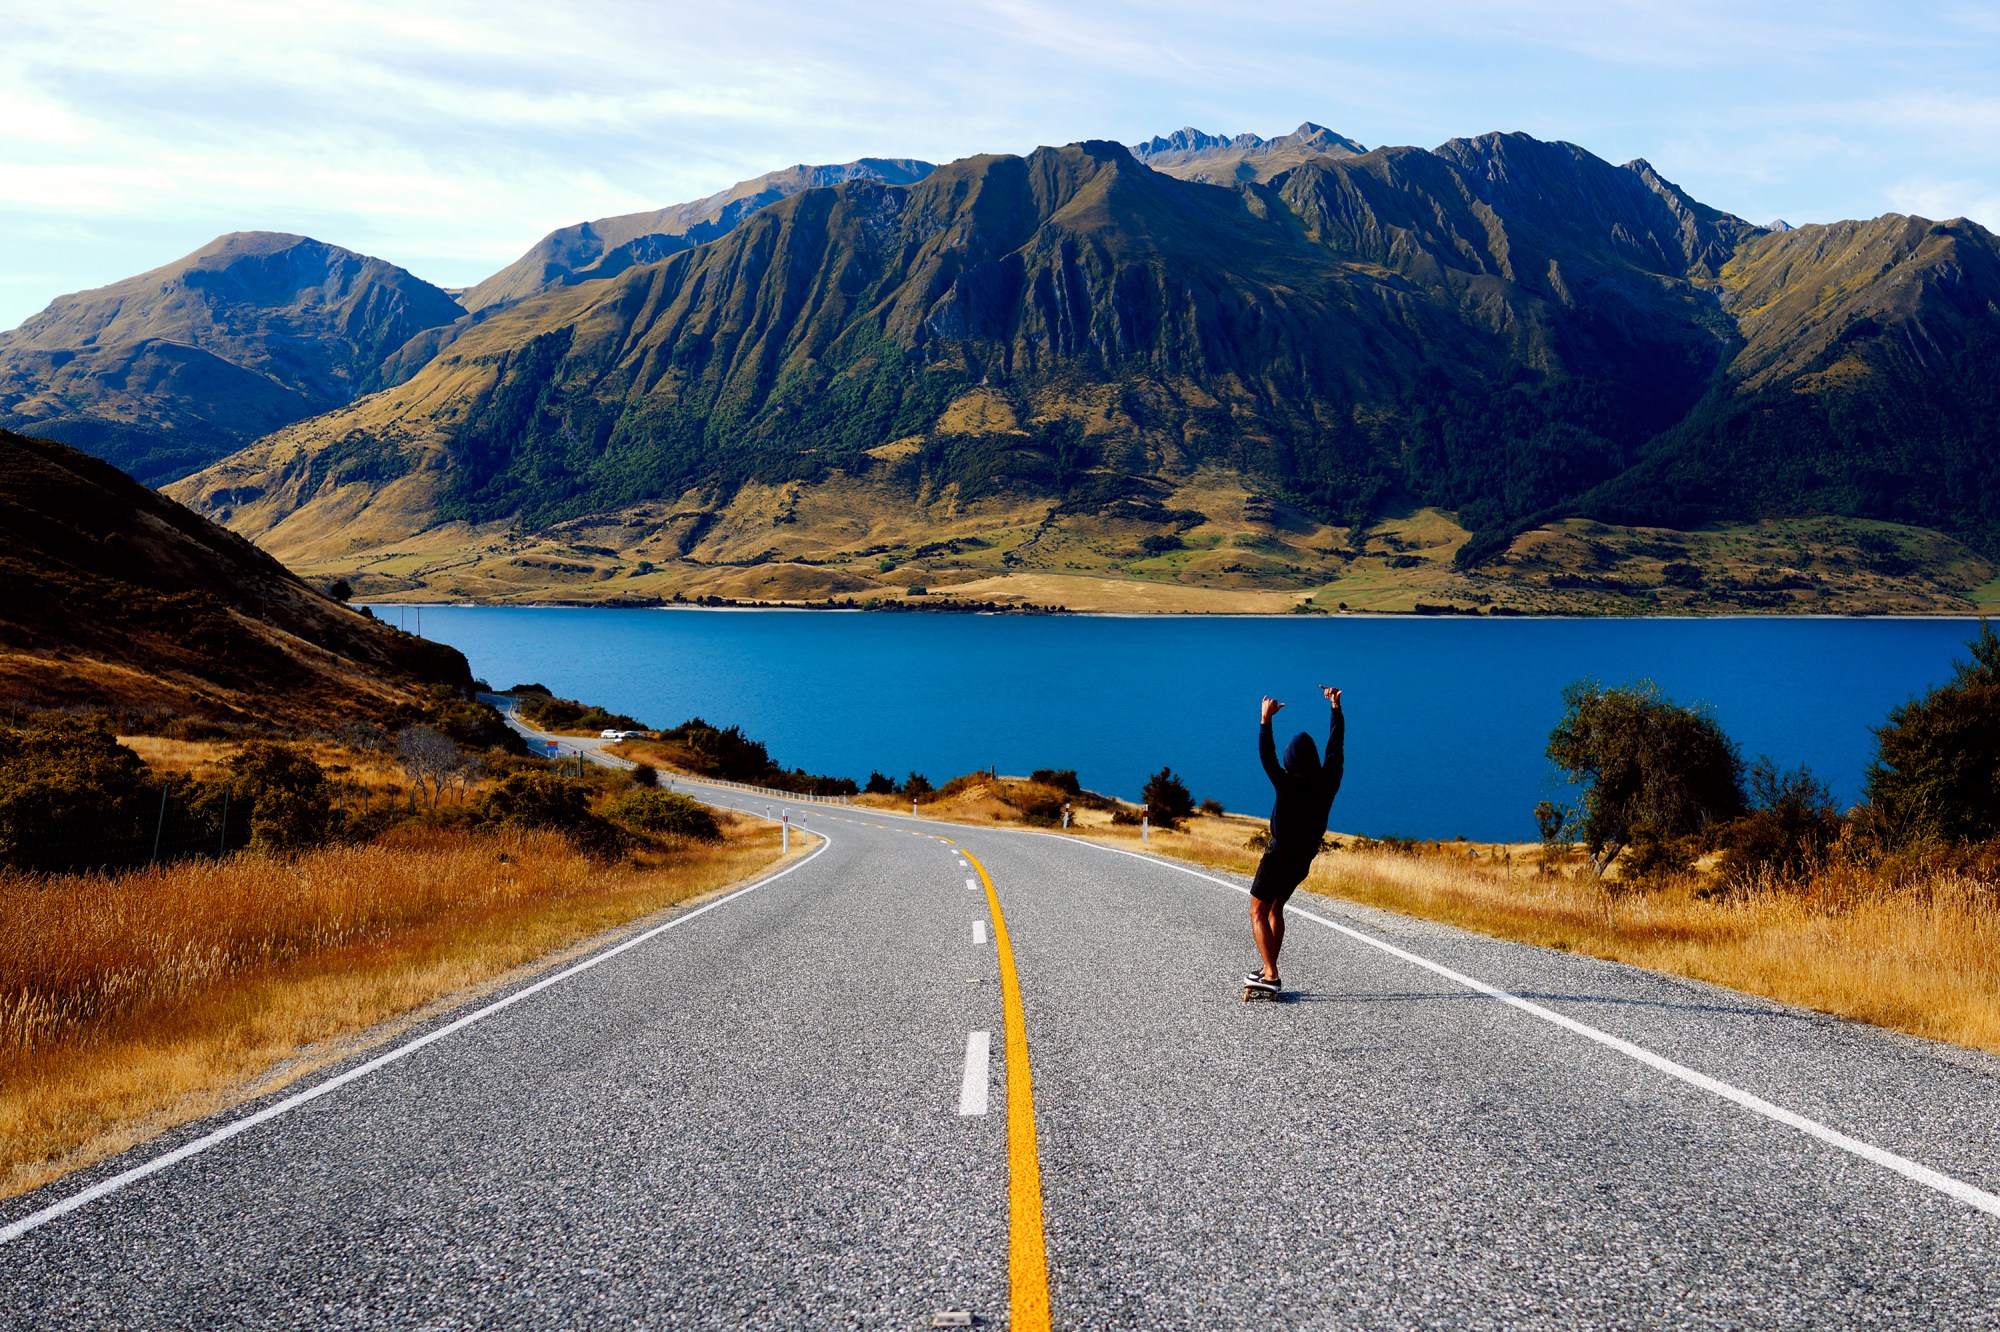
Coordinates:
<point>617,735</point>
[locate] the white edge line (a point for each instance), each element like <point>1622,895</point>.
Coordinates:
<point>972,1090</point>
<point>105,1188</point>
<point>1970,1195</point>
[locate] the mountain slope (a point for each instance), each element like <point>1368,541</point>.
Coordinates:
<point>1320,332</point>
<point>167,371</point>
<point>1866,382</point>
<point>118,596</point>
<point>1040,353</point>
<point>609,245</point>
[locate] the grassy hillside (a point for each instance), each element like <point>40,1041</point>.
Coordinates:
<point>119,597</point>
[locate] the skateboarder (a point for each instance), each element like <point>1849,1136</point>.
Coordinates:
<point>1306,787</point>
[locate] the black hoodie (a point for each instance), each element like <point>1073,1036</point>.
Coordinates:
<point>1306,787</point>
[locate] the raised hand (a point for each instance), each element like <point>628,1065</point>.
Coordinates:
<point>1332,696</point>
<point>1271,706</point>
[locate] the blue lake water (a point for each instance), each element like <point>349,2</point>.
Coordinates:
<point>1447,718</point>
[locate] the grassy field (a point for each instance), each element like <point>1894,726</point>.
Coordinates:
<point>1909,945</point>
<point>1228,550</point>
<point>132,1003</point>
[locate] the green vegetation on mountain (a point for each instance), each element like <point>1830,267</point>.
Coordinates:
<point>118,597</point>
<point>609,245</point>
<point>165,372</point>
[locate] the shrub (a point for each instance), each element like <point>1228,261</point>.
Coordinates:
<point>645,774</point>
<point>1936,774</point>
<point>1212,808</point>
<point>880,783</point>
<point>536,800</point>
<point>1167,800</point>
<point>722,752</point>
<point>1124,817</point>
<point>1552,821</point>
<point>664,814</point>
<point>71,796</point>
<point>916,786</point>
<point>1041,809</point>
<point>284,794</point>
<point>1792,823</point>
<point>1063,779</point>
<point>550,713</point>
<point>1651,770</point>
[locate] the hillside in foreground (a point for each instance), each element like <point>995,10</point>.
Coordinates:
<point>117,597</point>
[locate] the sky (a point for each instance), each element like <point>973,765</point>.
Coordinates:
<point>448,136</point>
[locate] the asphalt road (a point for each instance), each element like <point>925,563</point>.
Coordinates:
<point>752,1118</point>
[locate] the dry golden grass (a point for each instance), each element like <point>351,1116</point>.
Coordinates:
<point>1917,951</point>
<point>130,1004</point>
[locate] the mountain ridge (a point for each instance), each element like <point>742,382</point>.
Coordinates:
<point>177,366</point>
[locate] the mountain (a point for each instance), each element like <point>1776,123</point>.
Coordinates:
<point>608,246</point>
<point>1192,155</point>
<point>1865,381</point>
<point>1071,361</point>
<point>117,596</point>
<point>167,371</point>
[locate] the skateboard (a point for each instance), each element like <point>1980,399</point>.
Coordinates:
<point>1263,992</point>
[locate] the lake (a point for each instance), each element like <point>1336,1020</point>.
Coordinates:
<point>1447,717</point>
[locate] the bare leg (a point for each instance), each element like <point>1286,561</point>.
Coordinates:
<point>1267,923</point>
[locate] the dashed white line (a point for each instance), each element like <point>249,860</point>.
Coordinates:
<point>979,931</point>
<point>972,1091</point>
<point>972,885</point>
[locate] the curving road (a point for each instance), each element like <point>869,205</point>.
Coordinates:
<point>769,1111</point>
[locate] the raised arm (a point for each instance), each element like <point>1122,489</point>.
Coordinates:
<point>1267,748</point>
<point>1334,764</point>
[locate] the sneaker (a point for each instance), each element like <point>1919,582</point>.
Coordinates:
<point>1257,980</point>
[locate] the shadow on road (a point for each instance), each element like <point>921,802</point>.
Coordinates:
<point>1411,997</point>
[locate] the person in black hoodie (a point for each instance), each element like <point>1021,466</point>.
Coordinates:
<point>1306,787</point>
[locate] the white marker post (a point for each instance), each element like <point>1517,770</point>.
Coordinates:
<point>1065,816</point>
<point>785,833</point>
<point>1144,830</point>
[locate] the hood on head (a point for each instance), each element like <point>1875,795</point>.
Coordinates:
<point>1301,758</point>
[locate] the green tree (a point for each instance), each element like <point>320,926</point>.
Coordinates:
<point>1167,800</point>
<point>1936,774</point>
<point>916,786</point>
<point>1651,771</point>
<point>880,783</point>
<point>284,795</point>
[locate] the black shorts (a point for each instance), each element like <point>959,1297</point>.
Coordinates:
<point>1279,872</point>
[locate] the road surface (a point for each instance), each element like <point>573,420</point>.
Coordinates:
<point>772,1112</point>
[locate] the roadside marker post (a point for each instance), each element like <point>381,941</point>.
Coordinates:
<point>785,835</point>
<point>1144,830</point>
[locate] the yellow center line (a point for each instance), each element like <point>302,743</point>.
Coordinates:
<point>1027,1261</point>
